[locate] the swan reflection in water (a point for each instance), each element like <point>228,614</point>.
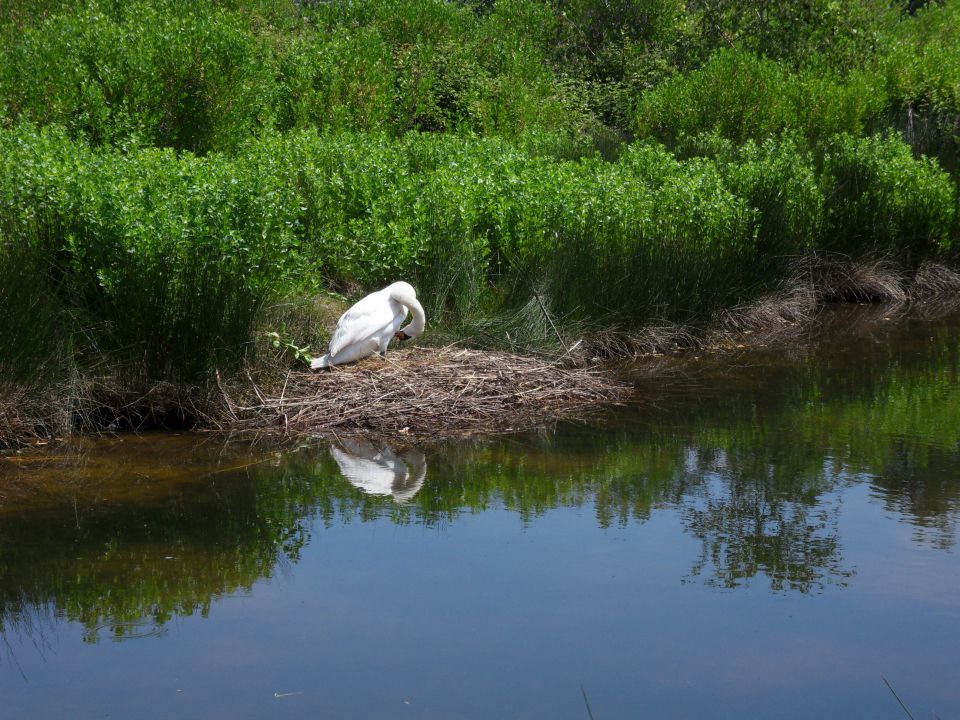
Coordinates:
<point>378,470</point>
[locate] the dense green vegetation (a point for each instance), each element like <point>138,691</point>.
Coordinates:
<point>172,172</point>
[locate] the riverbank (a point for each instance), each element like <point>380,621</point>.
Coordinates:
<point>540,192</point>
<point>433,393</point>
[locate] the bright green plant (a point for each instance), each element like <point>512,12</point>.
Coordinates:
<point>300,354</point>
<point>743,97</point>
<point>879,197</point>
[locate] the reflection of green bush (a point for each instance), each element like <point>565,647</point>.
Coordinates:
<point>130,568</point>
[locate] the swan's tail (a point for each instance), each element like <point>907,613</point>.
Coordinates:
<point>321,362</point>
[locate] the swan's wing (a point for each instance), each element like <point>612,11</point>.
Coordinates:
<point>363,320</point>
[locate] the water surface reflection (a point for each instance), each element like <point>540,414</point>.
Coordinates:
<point>376,469</point>
<point>767,477</point>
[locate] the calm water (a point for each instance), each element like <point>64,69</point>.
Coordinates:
<point>764,535</point>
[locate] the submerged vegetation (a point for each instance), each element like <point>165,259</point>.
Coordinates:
<point>179,181</point>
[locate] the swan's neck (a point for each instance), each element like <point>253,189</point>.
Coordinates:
<point>419,319</point>
<point>406,296</point>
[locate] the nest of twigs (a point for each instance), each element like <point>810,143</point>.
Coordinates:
<point>425,393</point>
<point>27,416</point>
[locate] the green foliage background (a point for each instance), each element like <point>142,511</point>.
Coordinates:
<point>171,169</point>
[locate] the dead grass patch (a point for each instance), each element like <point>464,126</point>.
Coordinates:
<point>425,393</point>
<point>27,416</point>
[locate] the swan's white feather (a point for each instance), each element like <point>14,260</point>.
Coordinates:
<point>365,319</point>
<point>371,323</point>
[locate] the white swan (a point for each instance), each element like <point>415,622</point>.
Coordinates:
<point>371,323</point>
<point>379,470</point>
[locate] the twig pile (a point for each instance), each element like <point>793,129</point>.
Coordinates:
<point>427,393</point>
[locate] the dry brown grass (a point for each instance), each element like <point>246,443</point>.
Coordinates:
<point>873,280</point>
<point>661,339</point>
<point>111,403</point>
<point>935,280</point>
<point>27,417</point>
<point>775,316</point>
<point>427,393</point>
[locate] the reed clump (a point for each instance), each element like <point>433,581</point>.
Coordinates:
<point>935,280</point>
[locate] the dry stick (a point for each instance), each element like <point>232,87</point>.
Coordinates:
<point>905,708</point>
<point>284,391</point>
<point>226,397</point>
<point>256,389</point>
<point>550,320</point>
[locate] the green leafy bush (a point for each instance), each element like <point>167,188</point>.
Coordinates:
<point>342,81</point>
<point>165,261</point>
<point>778,178</point>
<point>200,76</point>
<point>166,258</point>
<point>921,65</point>
<point>744,97</point>
<point>878,196</point>
<point>163,73</point>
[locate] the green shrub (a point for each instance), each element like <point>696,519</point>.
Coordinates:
<point>645,239</point>
<point>163,73</point>
<point>744,97</point>
<point>168,259</point>
<point>880,198</point>
<point>199,76</point>
<point>921,64</point>
<point>778,178</point>
<point>163,262</point>
<point>343,81</point>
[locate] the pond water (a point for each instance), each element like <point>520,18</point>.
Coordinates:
<point>767,534</point>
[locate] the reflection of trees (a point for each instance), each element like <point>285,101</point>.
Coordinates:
<point>125,563</point>
<point>883,402</point>
<point>924,491</point>
<point>753,521</point>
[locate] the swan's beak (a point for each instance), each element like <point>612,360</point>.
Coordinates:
<point>401,335</point>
